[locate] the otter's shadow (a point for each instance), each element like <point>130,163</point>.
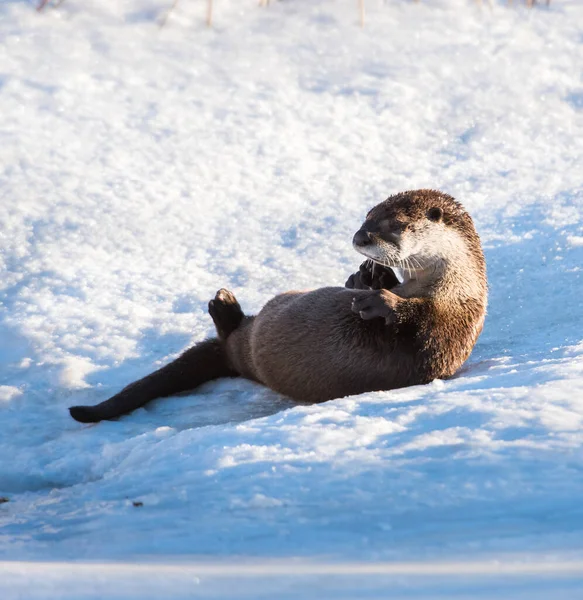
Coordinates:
<point>220,402</point>
<point>230,400</point>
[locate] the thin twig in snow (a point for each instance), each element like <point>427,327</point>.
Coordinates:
<point>209,13</point>
<point>165,17</point>
<point>488,2</point>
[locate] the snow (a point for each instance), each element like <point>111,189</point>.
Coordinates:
<point>141,169</point>
<point>297,579</point>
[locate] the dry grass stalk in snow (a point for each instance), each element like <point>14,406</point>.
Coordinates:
<point>43,3</point>
<point>209,13</point>
<point>530,3</point>
<point>167,14</point>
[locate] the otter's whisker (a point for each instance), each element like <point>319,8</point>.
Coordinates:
<point>411,267</point>
<point>416,262</point>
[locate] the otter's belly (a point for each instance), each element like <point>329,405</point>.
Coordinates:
<point>312,347</point>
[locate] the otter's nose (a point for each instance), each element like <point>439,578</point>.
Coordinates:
<point>362,238</point>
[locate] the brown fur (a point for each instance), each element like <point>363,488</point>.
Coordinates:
<point>332,342</point>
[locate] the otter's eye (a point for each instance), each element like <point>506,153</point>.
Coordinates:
<point>435,214</point>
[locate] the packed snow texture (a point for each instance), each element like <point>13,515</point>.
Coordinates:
<point>142,168</point>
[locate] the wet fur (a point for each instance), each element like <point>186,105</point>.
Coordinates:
<point>374,334</point>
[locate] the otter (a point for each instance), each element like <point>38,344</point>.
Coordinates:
<point>378,332</point>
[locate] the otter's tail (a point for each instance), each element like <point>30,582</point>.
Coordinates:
<point>203,362</point>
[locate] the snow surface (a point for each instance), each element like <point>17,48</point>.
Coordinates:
<point>143,168</point>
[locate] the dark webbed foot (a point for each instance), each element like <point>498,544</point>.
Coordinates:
<point>384,278</point>
<point>362,280</point>
<point>376,304</point>
<point>225,312</point>
<point>84,414</point>
<point>372,276</point>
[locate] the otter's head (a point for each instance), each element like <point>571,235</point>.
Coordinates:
<point>421,232</point>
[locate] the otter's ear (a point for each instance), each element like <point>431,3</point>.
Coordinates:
<point>435,214</point>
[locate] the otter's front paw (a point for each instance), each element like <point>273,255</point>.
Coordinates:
<point>374,305</point>
<point>384,279</point>
<point>355,282</point>
<point>361,280</point>
<point>371,276</point>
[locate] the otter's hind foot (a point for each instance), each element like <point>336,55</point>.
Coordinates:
<point>84,414</point>
<point>226,313</point>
